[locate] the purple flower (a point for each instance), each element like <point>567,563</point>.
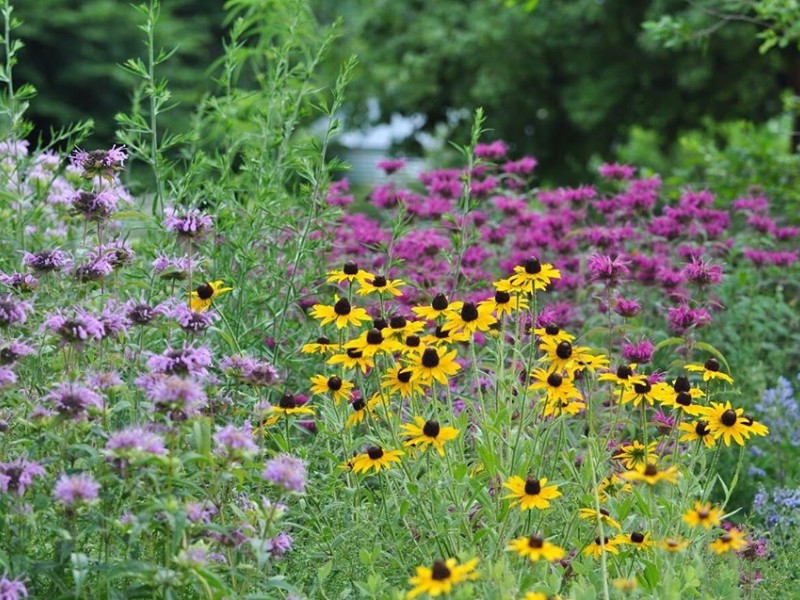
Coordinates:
<point>640,352</point>
<point>118,254</point>
<point>11,589</point>
<point>191,321</point>
<point>189,225</point>
<point>138,312</point>
<point>626,308</point>
<point>391,165</point>
<point>76,489</point>
<point>683,317</point>
<point>96,207</point>
<point>7,377</point>
<point>178,398</point>
<point>17,475</point>
<point>616,171</point>
<point>114,320</point>
<point>94,269</point>
<point>280,544</point>
<point>12,311</point>
<point>104,380</point>
<point>78,329</point>
<point>46,261</point>
<point>177,268</point>
<point>607,269</point>
<point>523,166</point>
<point>74,401</point>
<point>24,282</point>
<point>338,193</point>
<point>251,371</point>
<point>287,472</point>
<point>135,442</point>
<point>233,442</point>
<point>103,163</point>
<point>702,273</point>
<point>492,151</point>
<point>200,512</point>
<point>13,351</point>
<point>188,360</point>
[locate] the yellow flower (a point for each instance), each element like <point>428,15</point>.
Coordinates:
<point>559,388</point>
<point>470,319</point>
<point>361,409</point>
<point>435,364</point>
<point>559,407</point>
<point>351,273</point>
<point>733,539</point>
<point>651,474</point>
<point>376,458</point>
<point>371,342</point>
<point>536,548</point>
<point>443,336</point>
<point>637,539</point>
<point>286,407</point>
<point>604,516</point>
<point>322,346</point>
<point>341,313</point>
<point>530,493</point>
<point>646,392</point>
<point>624,375</point>
<point>626,585</point>
<point>553,334</point>
<point>684,401</point>
<point>351,360</point>
<point>710,370</point>
<point>597,546</point>
<point>703,514</point>
<point>563,356</point>
<point>400,380</point>
<point>533,275</point>
<point>754,427</point>
<point>335,385</point>
<point>200,299</point>
<point>424,433</point>
<point>504,303</point>
<point>380,285</point>
<point>399,327</point>
<point>697,431</point>
<point>727,423</point>
<point>439,307</point>
<point>673,544</point>
<point>611,486</point>
<point>442,577</point>
<point>635,454</point>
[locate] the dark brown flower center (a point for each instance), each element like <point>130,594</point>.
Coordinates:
<point>380,324</point>
<point>684,399</point>
<point>681,384</point>
<point>441,333</point>
<point>359,404</point>
<point>353,353</point>
<point>7,356</point>
<point>430,358</point>
<point>413,341</point>
<point>552,329</point>
<point>533,266</point>
<point>624,371</point>
<point>439,302</point>
<point>205,291</point>
<point>342,307</point>
<point>535,541</point>
<point>701,428</point>
<point>603,541</point>
<point>404,376</point>
<point>642,388</point>
<point>287,401</point>
<point>712,364</point>
<point>469,312</point>
<point>374,337</point>
<point>703,514</point>
<point>532,487</point>
<point>379,281</point>
<point>323,341</point>
<point>604,512</point>
<point>726,538</point>
<point>637,537</point>
<point>554,380</point>
<point>564,350</point>
<point>728,418</point>
<point>398,322</point>
<point>431,429</point>
<point>374,452</point>
<point>440,571</point>
<point>651,470</point>
<point>350,268</point>
<point>502,297</point>
<point>335,383</point>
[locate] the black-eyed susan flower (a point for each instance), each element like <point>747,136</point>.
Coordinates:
<point>342,313</point>
<point>352,359</point>
<point>424,433</point>
<point>553,334</point>
<point>400,327</point>
<point>380,285</point>
<point>612,486</point>
<point>561,407</point>
<point>591,362</point>
<point>439,307</point>
<point>434,363</point>
<point>349,273</point>
<point>592,515</point>
<point>470,318</point>
<point>287,406</point>
<point>444,336</point>
<point>541,596</point>
<point>376,458</point>
<point>371,342</point>
<point>703,514</point>
<point>673,544</point>
<point>625,375</point>
<point>646,392</point>
<point>563,356</point>
<point>536,548</point>
<point>731,540</point>
<point>441,578</point>
<point>598,545</point>
<point>531,492</point>
<point>625,584</point>
<point>334,385</point>
<point>504,303</point>
<point>710,370</point>
<point>726,423</point>
<point>361,410</point>
<point>684,402</point>
<point>754,427</point>
<point>412,343</point>
<point>533,275</point>
<point>201,299</point>
<point>651,474</point>
<point>557,387</point>
<point>635,539</point>
<point>635,454</point>
<point>322,346</point>
<point>697,431</point>
<point>400,380</point>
